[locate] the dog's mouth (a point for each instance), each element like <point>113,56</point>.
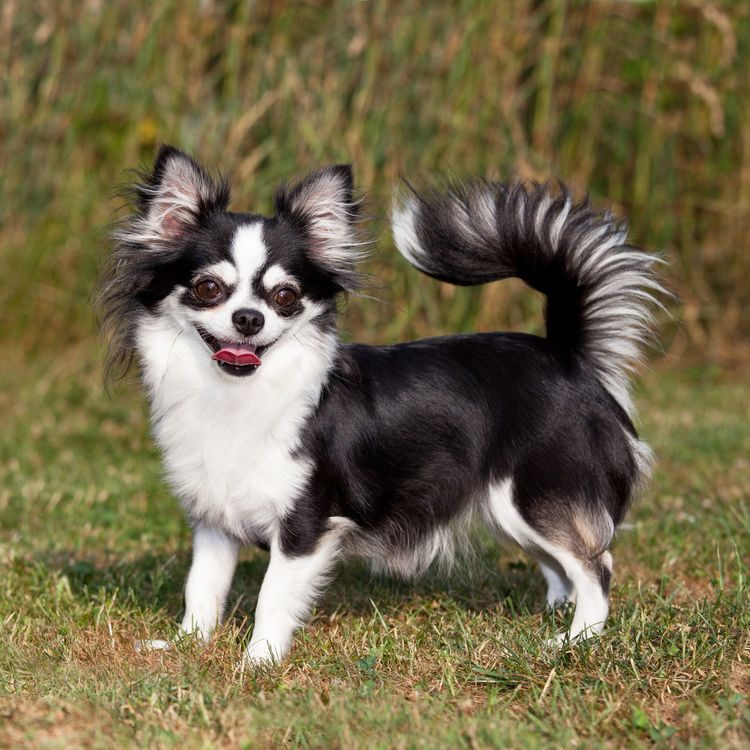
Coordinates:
<point>239,359</point>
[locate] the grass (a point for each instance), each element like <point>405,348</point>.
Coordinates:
<point>93,555</point>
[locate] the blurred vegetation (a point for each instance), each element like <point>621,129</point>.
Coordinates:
<point>645,105</point>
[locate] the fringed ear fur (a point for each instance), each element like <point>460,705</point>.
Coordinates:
<point>167,201</point>
<point>322,206</point>
<point>173,198</point>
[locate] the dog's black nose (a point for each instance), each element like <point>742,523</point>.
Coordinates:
<point>248,321</point>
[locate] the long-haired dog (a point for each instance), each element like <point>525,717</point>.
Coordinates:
<point>274,432</point>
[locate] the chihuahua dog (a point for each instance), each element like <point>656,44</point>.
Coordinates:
<point>276,433</point>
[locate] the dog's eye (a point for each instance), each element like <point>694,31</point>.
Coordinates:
<point>285,297</point>
<point>207,291</point>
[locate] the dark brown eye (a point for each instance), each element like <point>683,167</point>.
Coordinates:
<point>207,291</point>
<point>285,297</point>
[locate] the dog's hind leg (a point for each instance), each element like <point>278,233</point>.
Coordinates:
<point>590,580</point>
<point>565,557</point>
<point>560,591</point>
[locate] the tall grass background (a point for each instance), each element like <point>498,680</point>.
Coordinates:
<point>644,105</point>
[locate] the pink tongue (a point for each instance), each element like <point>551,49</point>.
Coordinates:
<point>237,355</point>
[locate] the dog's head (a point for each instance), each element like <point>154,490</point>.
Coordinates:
<point>238,283</point>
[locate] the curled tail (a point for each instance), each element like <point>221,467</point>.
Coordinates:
<point>600,290</point>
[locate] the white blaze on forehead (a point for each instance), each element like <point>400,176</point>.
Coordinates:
<point>276,275</point>
<point>249,252</point>
<point>224,271</point>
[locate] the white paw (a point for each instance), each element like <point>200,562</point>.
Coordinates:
<point>190,627</point>
<point>263,652</point>
<point>559,641</point>
<point>565,638</point>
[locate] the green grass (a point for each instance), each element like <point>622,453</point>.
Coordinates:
<point>93,555</point>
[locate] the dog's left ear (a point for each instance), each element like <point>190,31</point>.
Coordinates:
<point>173,198</point>
<point>322,206</point>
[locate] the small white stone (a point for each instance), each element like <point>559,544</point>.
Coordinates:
<point>152,645</point>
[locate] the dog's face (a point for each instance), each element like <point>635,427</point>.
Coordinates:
<point>237,283</point>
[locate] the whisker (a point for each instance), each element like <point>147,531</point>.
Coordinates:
<point>169,354</point>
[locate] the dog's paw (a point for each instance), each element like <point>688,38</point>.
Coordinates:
<point>564,639</point>
<point>193,628</point>
<point>262,653</point>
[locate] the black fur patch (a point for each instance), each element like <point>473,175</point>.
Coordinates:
<point>407,437</point>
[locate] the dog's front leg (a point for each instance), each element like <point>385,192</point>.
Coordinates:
<point>288,594</point>
<point>207,588</point>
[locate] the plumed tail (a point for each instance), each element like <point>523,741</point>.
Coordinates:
<point>601,291</point>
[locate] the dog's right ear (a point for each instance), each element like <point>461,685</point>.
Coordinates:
<point>323,207</point>
<point>175,196</point>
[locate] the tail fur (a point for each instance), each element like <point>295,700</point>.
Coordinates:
<point>600,290</point>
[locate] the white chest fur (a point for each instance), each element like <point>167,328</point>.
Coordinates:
<point>229,443</point>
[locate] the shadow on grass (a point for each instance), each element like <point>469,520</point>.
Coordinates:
<point>155,582</point>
